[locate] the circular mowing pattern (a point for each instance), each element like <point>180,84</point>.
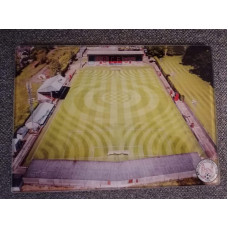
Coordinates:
<point>116,97</point>
<point>98,99</point>
<point>139,101</point>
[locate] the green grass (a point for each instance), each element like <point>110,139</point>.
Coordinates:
<point>61,54</point>
<point>107,109</point>
<point>193,88</point>
<point>21,105</point>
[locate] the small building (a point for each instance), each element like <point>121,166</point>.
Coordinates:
<point>39,115</point>
<point>22,132</point>
<point>114,57</point>
<point>17,182</point>
<point>17,144</point>
<point>51,88</point>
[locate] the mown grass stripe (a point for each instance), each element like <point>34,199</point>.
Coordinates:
<point>98,125</point>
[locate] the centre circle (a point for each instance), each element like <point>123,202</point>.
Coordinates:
<point>116,97</point>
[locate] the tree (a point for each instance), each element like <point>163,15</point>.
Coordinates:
<point>158,51</point>
<point>176,50</point>
<point>200,58</point>
<point>55,66</point>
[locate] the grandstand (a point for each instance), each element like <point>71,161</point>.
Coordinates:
<point>39,115</point>
<point>52,88</point>
<point>114,57</point>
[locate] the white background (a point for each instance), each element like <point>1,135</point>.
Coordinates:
<point>119,14</point>
<point>160,14</point>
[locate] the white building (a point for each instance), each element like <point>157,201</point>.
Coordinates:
<point>16,145</point>
<point>39,115</point>
<point>22,132</point>
<point>51,88</point>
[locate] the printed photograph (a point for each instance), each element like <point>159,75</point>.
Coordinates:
<point>110,117</point>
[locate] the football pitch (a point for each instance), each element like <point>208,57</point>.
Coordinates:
<point>115,114</point>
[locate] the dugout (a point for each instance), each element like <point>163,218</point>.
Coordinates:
<point>114,56</point>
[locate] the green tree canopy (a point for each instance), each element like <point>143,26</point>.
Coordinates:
<point>200,58</point>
